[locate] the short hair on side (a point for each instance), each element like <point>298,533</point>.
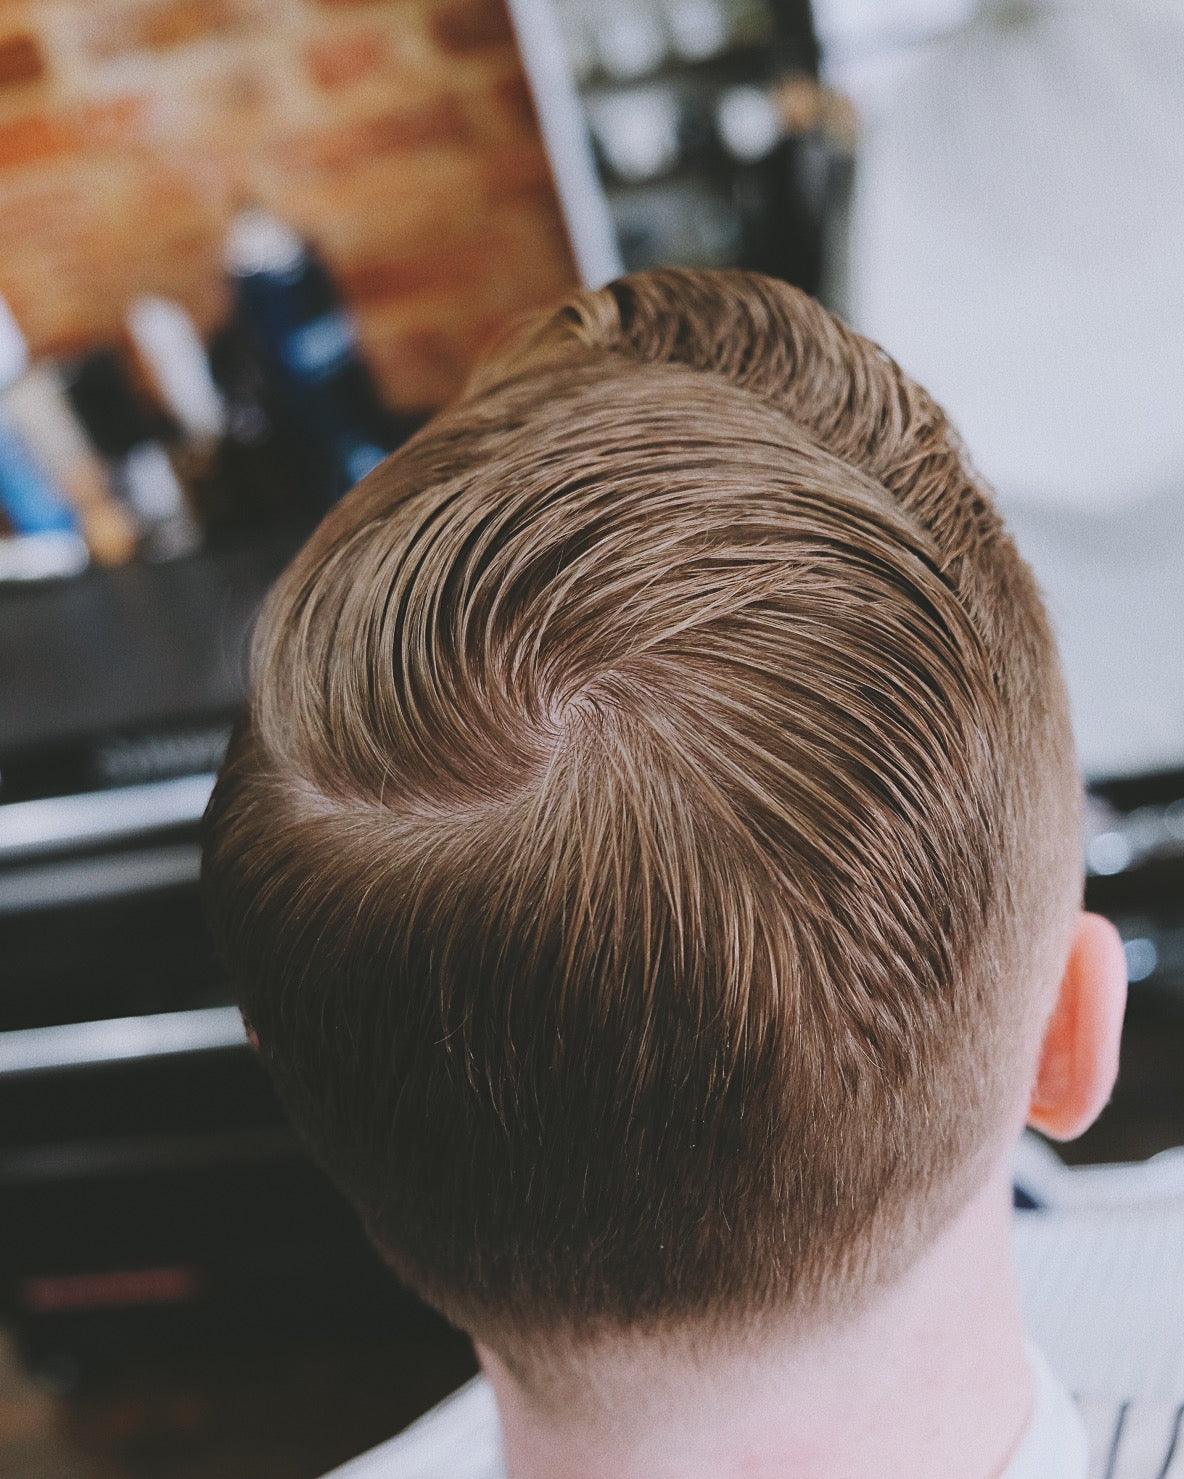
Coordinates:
<point>655,808</point>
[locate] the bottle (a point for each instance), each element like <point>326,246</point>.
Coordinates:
<point>42,414</point>
<point>630,40</point>
<point>41,536</point>
<point>132,441</point>
<point>172,361</point>
<point>784,145</point>
<point>292,316</point>
<point>699,29</point>
<point>638,132</point>
<point>260,470</point>
<point>172,355</point>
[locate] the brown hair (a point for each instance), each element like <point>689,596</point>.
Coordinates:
<point>655,810</point>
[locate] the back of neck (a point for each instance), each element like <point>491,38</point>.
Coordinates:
<point>930,1379</point>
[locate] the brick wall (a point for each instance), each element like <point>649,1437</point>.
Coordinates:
<point>397,133</point>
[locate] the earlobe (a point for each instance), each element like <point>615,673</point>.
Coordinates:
<point>1079,1056</point>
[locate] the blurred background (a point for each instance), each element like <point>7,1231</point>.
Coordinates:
<point>246,246</point>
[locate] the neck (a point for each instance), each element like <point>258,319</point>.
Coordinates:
<point>929,1379</point>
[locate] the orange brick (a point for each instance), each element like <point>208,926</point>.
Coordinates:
<point>434,121</point>
<point>435,349</point>
<point>512,96</point>
<point>521,170</point>
<point>110,121</point>
<point>419,364</point>
<point>36,138</point>
<point>442,265</point>
<point>471,25</point>
<point>335,62</point>
<point>21,59</point>
<point>162,25</point>
<point>46,208</point>
<point>479,333</point>
<point>175,22</point>
<point>388,206</point>
<point>535,233</point>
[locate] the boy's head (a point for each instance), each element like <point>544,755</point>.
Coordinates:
<point>653,843</point>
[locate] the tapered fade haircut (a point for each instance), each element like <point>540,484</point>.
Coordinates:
<point>655,808</point>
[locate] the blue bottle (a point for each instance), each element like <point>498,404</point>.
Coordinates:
<point>42,537</point>
<point>290,312</point>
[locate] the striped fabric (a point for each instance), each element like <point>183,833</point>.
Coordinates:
<point>1133,1440</point>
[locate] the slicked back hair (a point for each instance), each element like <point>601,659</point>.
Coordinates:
<point>655,813</point>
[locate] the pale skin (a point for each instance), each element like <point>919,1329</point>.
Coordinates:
<point>928,1380</point>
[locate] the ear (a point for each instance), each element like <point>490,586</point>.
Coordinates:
<point>1079,1058</point>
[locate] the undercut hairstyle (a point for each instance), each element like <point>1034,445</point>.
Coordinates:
<point>655,815</point>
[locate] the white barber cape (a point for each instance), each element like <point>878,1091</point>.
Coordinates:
<point>1054,1447</point>
<point>459,1439</point>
